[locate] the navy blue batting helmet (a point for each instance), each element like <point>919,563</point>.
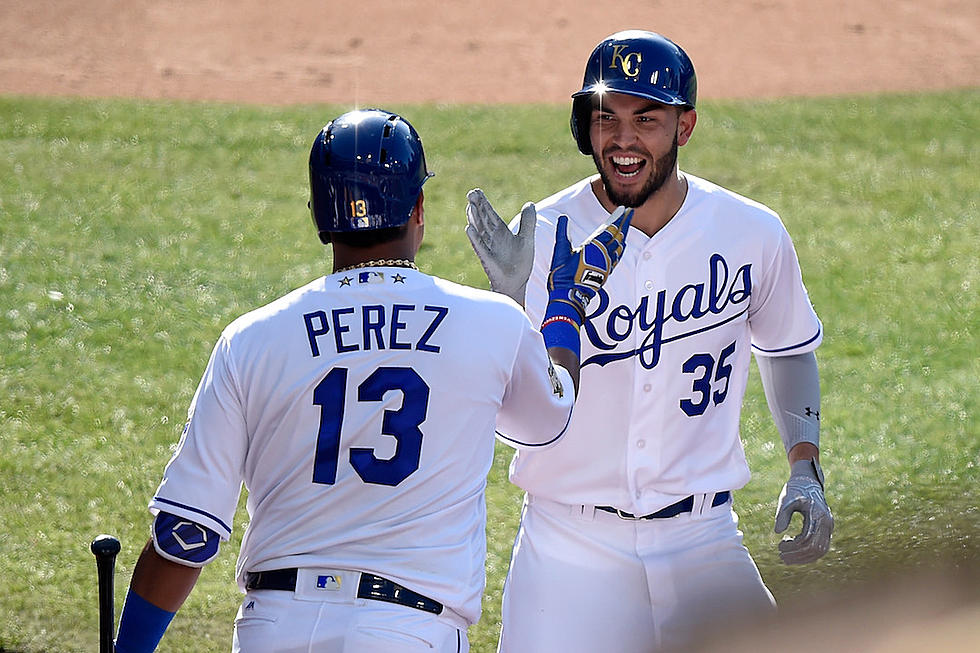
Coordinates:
<point>367,168</point>
<point>634,62</point>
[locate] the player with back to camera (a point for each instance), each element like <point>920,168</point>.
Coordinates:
<point>628,541</point>
<point>359,411</point>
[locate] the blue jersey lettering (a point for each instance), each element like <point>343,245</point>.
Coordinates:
<point>400,326</point>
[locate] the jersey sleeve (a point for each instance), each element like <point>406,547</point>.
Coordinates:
<point>203,479</point>
<point>783,322</point>
<point>537,402</point>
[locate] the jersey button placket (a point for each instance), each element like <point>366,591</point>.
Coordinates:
<point>648,283</point>
<point>634,458</point>
<point>644,443</point>
<point>647,387</point>
<point>638,453</point>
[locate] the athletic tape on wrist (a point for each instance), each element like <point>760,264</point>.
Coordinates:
<point>141,626</point>
<point>560,318</point>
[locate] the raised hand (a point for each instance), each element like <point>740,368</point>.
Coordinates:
<point>506,257</point>
<point>578,273</point>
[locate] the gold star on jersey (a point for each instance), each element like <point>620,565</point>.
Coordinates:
<point>365,276</point>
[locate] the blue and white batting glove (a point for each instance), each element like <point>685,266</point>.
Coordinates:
<point>577,274</point>
<point>803,493</point>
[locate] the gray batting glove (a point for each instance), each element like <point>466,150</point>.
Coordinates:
<point>803,493</point>
<point>506,256</point>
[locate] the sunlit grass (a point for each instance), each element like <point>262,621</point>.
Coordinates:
<point>132,232</point>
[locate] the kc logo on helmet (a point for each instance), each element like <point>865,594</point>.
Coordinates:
<point>629,63</point>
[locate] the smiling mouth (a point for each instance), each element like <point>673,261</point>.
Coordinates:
<point>626,165</point>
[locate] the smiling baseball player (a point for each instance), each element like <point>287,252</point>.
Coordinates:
<point>628,541</point>
<point>359,411</point>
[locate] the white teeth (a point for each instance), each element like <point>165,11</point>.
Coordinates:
<point>626,160</point>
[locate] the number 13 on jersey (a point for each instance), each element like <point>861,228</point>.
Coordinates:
<point>402,424</point>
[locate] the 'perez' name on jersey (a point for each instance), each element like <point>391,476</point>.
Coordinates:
<point>375,326</point>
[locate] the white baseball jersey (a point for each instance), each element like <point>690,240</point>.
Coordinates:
<point>666,349</point>
<point>360,411</point>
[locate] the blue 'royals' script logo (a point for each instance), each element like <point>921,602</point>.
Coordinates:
<point>692,302</point>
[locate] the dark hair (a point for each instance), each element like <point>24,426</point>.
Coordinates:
<point>369,238</point>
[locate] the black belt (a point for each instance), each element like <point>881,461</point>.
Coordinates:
<point>370,587</point>
<point>674,509</point>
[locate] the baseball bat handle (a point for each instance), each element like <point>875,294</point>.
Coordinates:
<point>105,548</point>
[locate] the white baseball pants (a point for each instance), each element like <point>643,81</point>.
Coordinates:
<point>304,621</point>
<point>582,580</point>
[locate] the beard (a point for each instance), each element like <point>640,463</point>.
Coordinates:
<point>662,168</point>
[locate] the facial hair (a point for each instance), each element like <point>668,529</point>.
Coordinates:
<point>662,169</point>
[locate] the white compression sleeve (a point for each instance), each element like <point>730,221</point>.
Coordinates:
<point>792,386</point>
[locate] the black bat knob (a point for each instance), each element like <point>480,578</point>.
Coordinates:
<point>105,545</point>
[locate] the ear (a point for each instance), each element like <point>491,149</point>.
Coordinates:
<point>417,223</point>
<point>418,212</point>
<point>685,126</point>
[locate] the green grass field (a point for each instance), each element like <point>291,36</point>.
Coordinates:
<point>132,232</point>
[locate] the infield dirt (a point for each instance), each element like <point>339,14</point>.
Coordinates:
<point>355,53</point>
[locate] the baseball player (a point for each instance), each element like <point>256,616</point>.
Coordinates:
<point>628,541</point>
<point>359,411</point>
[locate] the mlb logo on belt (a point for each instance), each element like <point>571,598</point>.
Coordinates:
<point>328,582</point>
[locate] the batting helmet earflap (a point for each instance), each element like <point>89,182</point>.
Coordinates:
<point>367,168</point>
<point>634,62</point>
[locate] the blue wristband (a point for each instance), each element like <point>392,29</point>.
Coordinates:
<point>141,625</point>
<point>560,327</point>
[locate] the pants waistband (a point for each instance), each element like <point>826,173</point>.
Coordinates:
<point>674,509</point>
<point>370,586</point>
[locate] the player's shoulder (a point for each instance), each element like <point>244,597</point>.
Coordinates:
<point>705,190</point>
<point>267,316</point>
<point>484,310</point>
<point>732,205</point>
<point>578,201</point>
<point>477,298</point>
<point>576,198</point>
